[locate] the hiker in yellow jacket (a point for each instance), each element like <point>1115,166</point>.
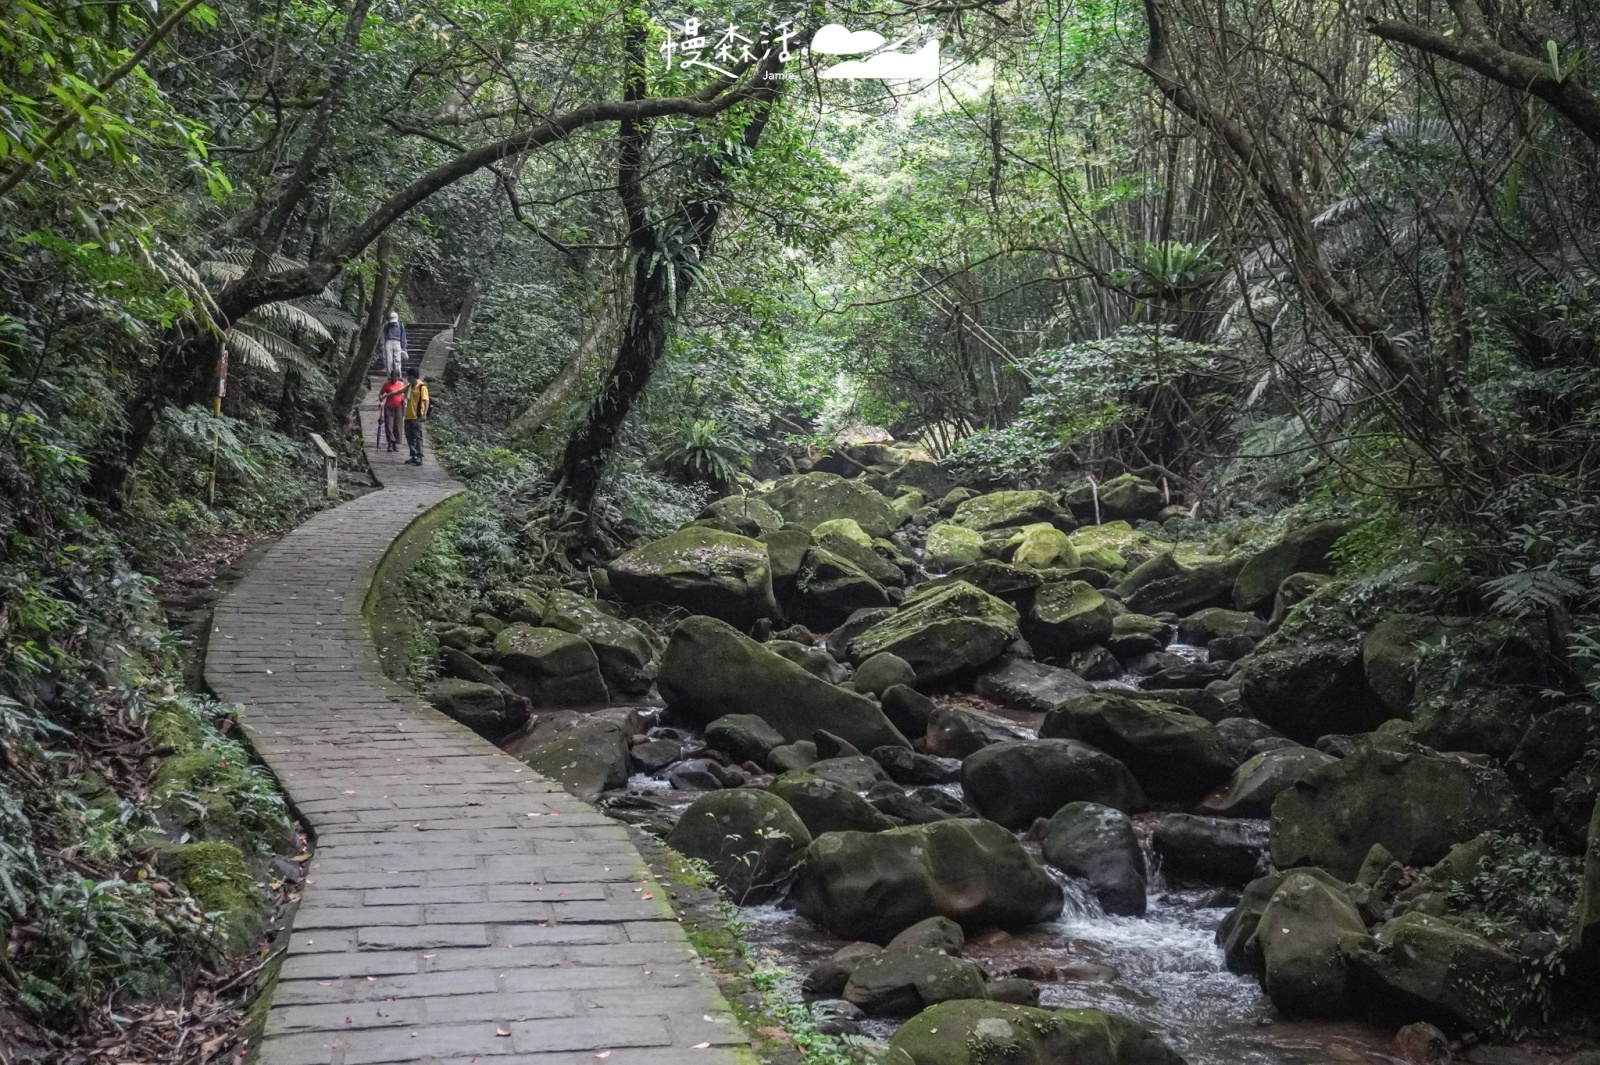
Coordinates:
<point>416,411</point>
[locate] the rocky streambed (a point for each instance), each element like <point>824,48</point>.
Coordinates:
<point>975,766</point>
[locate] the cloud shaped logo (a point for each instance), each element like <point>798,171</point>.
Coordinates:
<point>834,39</point>
<point>890,66</point>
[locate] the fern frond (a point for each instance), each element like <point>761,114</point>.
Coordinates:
<point>1530,591</point>
<point>296,318</point>
<point>249,351</point>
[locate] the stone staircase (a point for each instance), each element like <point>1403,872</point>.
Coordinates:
<point>418,336</point>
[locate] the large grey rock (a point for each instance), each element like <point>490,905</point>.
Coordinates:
<point>1423,967</point>
<point>1205,583</point>
<point>905,980</point>
<point>484,708</point>
<point>973,1032</point>
<point>810,499</point>
<point>1007,510</point>
<point>1389,655</point>
<point>1305,550</point>
<point>1171,753</point>
<point>943,632</point>
<point>627,659</point>
<point>883,671</point>
<point>710,670</point>
<point>834,582</point>
<point>1066,616</point>
<point>751,839</point>
<point>826,806</point>
<point>1307,691</point>
<point>955,733</point>
<point>1298,939</point>
<point>1013,783</point>
<point>746,737</point>
<point>1098,844</point>
<point>744,515</point>
<point>1236,935</point>
<point>700,569</point>
<point>874,885</point>
<point>1255,784</point>
<point>550,667</point>
<point>587,757</point>
<point>1029,685</point>
<point>1210,849</point>
<point>1417,803</point>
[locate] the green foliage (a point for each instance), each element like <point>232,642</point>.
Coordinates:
<point>1077,391</point>
<point>704,454</point>
<point>109,938</point>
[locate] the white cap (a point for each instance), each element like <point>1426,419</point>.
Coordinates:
<point>394,316</point>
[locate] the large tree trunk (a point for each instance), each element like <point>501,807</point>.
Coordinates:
<point>662,279</point>
<point>353,374</point>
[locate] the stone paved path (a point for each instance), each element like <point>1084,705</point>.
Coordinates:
<point>458,906</point>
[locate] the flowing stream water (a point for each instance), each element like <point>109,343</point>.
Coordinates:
<point>1164,970</point>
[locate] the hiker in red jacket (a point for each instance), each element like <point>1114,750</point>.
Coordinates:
<point>391,404</point>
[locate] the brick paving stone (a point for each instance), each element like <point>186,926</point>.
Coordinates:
<point>436,913</point>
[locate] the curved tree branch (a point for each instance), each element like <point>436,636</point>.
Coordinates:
<point>1477,50</point>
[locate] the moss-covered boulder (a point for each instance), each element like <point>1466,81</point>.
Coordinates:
<point>1251,789</point>
<point>948,630</point>
<point>550,667</point>
<point>710,670</point>
<point>1014,584</point>
<point>970,1032</point>
<point>213,797</point>
<point>1305,550</point>
<point>848,528</point>
<point>1019,780</point>
<point>836,584</point>
<point>1421,967</point>
<point>1171,753</point>
<point>810,499</point>
<point>1007,510</point>
<point>1098,844</point>
<point>859,550</point>
<point>1045,547</point>
<point>700,569</point>
<point>1106,547</point>
<point>219,878</point>
<point>751,839</point>
<point>825,806</point>
<point>627,657</point>
<point>483,708</point>
<point>746,737</point>
<point>786,552</point>
<point>1214,623</point>
<point>586,755</point>
<point>1066,616</point>
<point>1310,690</point>
<point>1298,938</point>
<point>873,885</point>
<point>1236,935</point>
<point>1202,583</point>
<point>1130,498</point>
<point>950,546</point>
<point>744,515</point>
<point>905,980</point>
<point>1418,803</point>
